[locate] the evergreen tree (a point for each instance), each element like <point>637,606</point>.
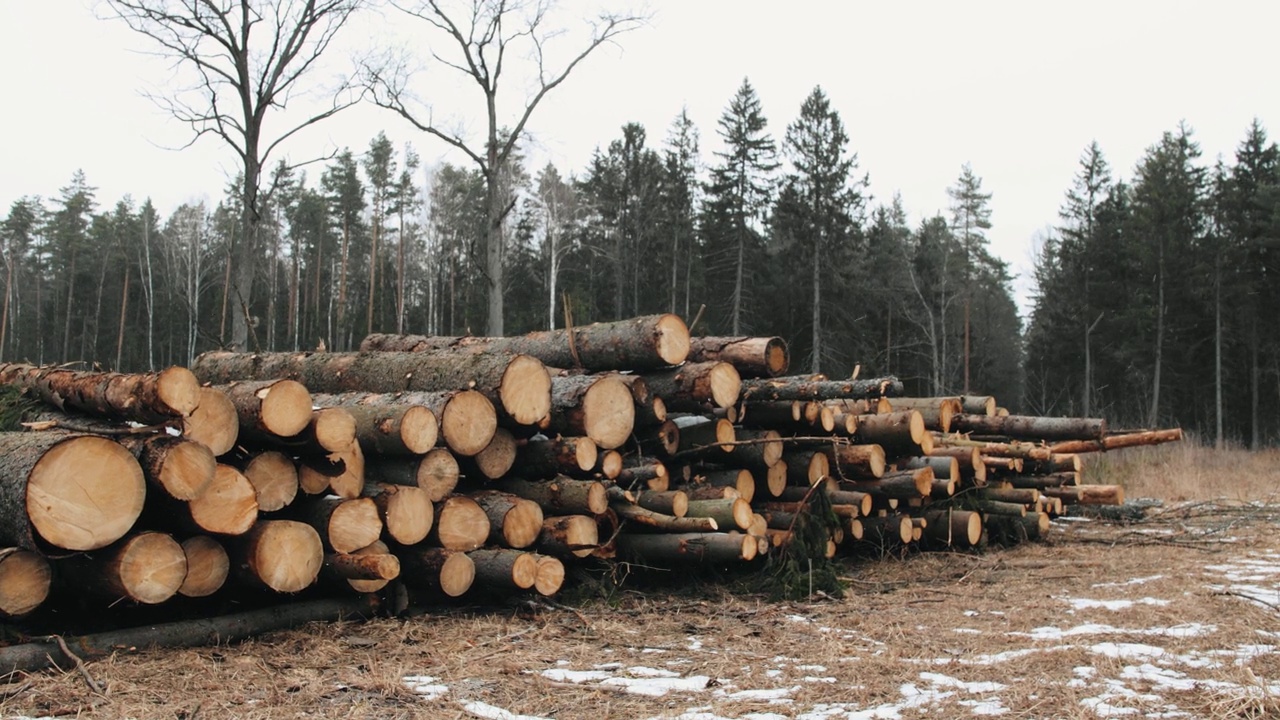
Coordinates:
<point>380,170</point>
<point>344,192</point>
<point>679,200</point>
<point>970,217</point>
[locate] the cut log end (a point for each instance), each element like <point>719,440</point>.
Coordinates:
<point>25,577</point>
<point>576,535</point>
<point>609,412</point>
<point>526,390</point>
<point>587,453</point>
<point>207,566</point>
<point>726,384</point>
<point>776,356</point>
<point>438,474</point>
<point>671,339</point>
<point>286,408</point>
<point>354,524</point>
<point>283,555</point>
<point>419,429</point>
<point>188,469</point>
<point>460,524</point>
<point>550,577</point>
<point>213,423</point>
<point>522,524</point>
<point>468,422</point>
<point>384,568</point>
<point>151,568</point>
<point>334,428</point>
<point>229,506</point>
<point>457,574</point>
<point>178,388</point>
<point>274,478</point>
<point>407,514</point>
<point>85,493</point>
<point>498,457</point>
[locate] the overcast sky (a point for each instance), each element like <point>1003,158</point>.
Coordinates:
<point>1017,89</point>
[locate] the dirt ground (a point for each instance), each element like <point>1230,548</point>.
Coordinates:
<point>1174,616</point>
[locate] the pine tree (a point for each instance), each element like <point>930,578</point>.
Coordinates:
<point>380,170</point>
<point>345,194</point>
<point>679,199</point>
<point>970,216</point>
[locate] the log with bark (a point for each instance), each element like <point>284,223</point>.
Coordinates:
<point>600,407</point>
<point>213,423</point>
<point>741,480</point>
<point>361,566</point>
<point>978,405</point>
<point>661,440</point>
<point>902,432</point>
<point>388,424</point>
<point>207,566</point>
<point>228,507</point>
<point>753,357</point>
<point>145,568</point>
<point>467,419</point>
<point>434,569</point>
<point>1115,442</point>
<point>706,438</point>
<point>658,550</point>
<point>809,387</point>
<point>954,528</point>
<point>560,495</point>
<point>543,457</point>
<point>517,384</point>
<point>1032,427</point>
<point>344,525</point>
<point>944,468</point>
<point>1088,494</point>
<point>902,484</point>
<point>495,460</point>
<point>671,502</point>
<point>728,513</point>
<point>514,522</point>
<point>937,412</point>
<point>276,408</point>
<point>147,398</point>
<point>696,386</point>
<point>784,415</point>
<point>406,511</point>
<point>1022,496</point>
<point>551,575</point>
<point>1040,482</point>
<point>647,471</point>
<point>175,466</point>
<point>969,460</point>
<point>569,536</point>
<point>640,343</point>
<point>460,524</point>
<point>25,578</point>
<point>887,531</point>
<point>504,568</point>
<point>375,585</point>
<point>280,555</point>
<point>1013,449</point>
<point>806,467</point>
<point>436,472</point>
<point>856,462</point>
<point>758,449</point>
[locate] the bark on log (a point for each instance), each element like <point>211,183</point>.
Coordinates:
<point>175,466</point>
<point>550,576</point>
<point>569,536</point>
<point>229,506</point>
<point>901,431</point>
<point>436,472</point>
<point>728,514</point>
<point>1001,467</point>
<point>460,524</point>
<point>651,412</point>
<point>708,492</point>
<point>807,387</point>
<point>660,440</point>
<point>341,473</point>
<point>954,528</point>
<point>600,407</point>
<point>518,384</point>
<point>213,423</point>
<point>1012,530</point>
<point>761,449</point>
<point>561,495</point>
<point>741,480</point>
<point>795,508</point>
<point>1088,494</point>
<point>992,507</point>
<point>514,522</point>
<point>640,343</point>
<point>646,471</point>
<point>1057,462</point>
<point>978,405</point>
<point>25,577</point>
<point>1041,482</point>
<point>406,511</point>
<point>357,566</point>
<point>449,572</point>
<point>1022,496</point>
<point>903,484</point>
<point>806,467</point>
<point>937,412</point>
<point>782,415</point>
<point>146,568</point>
<point>771,481</point>
<point>857,461</point>
<point>372,586</point>
<point>329,430</point>
<point>889,530</point>
<point>495,460</point>
<point>609,464</point>
<point>672,502</point>
<point>708,438</point>
<point>504,569</point>
<point>386,426</point>
<point>274,478</point>
<point>683,548</point>
<point>1032,427</point>
<point>640,519</point>
<point>143,397</point>
<point>280,555</point>
<point>207,566</point>
<point>695,386</point>
<point>1115,442</point>
<point>969,460</point>
<point>942,489</point>
<point>753,357</point>
<point>1022,450</point>
<point>562,455</point>
<point>944,468</point>
<point>74,492</point>
<point>280,408</point>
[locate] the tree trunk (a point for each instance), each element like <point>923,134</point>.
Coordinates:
<point>449,572</point>
<point>436,472</point>
<point>954,528</point>
<point>25,577</point>
<point>600,407</point>
<point>142,397</point>
<point>902,485</point>
<point>1088,494</point>
<point>280,408</point>
<point>560,496</point>
<point>514,522</point>
<point>178,467</point>
<point>385,425</point>
<point>857,461</point>
<point>806,387</point>
<point>207,566</point>
<point>124,310</point>
<point>900,431</point>
<point>562,455</point>
<point>699,548</point>
<point>1032,428</point>
<point>806,467</point>
<point>229,506</point>
<point>646,471</point>
<point>697,385</point>
<point>146,568</point>
<point>944,468</point>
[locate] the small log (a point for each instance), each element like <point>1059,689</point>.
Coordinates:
<point>229,506</point>
<point>496,460</point>
<point>207,566</point>
<point>518,384</point>
<point>514,522</point>
<point>759,526</point>
<point>740,480</point>
<point>672,502</point>
<point>441,570</point>
<point>344,525</point>
<point>638,343</point>
<point>796,508</point>
<point>901,431</point>
<point>504,569</point>
<point>1014,449</point>
<point>568,536</point>
<point>561,495</point>
<point>562,455</point>
<point>1041,482</point>
<point>954,528</point>
<point>372,586</point>
<point>641,519</point>
<point>1012,530</point>
<point>681,548</point>
<point>436,472</point>
<point>728,514</point>
<point>25,577</point>
<point>978,405</point>
<point>178,467</point>
<point>274,478</point>
<point>280,555</point>
<point>646,471</point>
<point>1116,442</point>
<point>651,412</point>
<point>937,413</point>
<point>357,566</point>
<point>467,418</point>
<point>694,386</point>
<point>771,481</point>
<point>704,437</point>
<point>853,498</point>
<point>969,460</point>
<point>147,398</point>
<point>342,473</point>
<point>460,524</point>
<point>600,407</point>
<point>992,507</point>
<point>903,484</point>
<point>213,423</point>
<point>1032,427</point>
<point>806,387</point>
<point>889,530</point>
<point>944,468</point>
<point>709,492</point>
<point>1022,496</point>
<point>610,464</point>
<point>761,449</point>
<point>661,440</point>
<point>844,424</point>
<point>329,430</point>
<point>1088,494</point>
<point>406,511</point>
<point>1057,462</point>
<point>387,425</point>
<point>806,467</point>
<point>752,357</point>
<point>550,576</point>
<point>1003,466</point>
<point>279,408</point>
<point>942,489</point>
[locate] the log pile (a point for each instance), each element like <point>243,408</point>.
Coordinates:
<point>448,466</point>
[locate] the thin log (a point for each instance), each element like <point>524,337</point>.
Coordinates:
<point>944,468</point>
<point>1023,450</point>
<point>460,524</point>
<point>728,514</point>
<point>969,460</point>
<point>143,397</point>
<point>741,480</point>
<point>680,548</point>
<point>806,467</point>
<point>694,386</point>
<point>504,569</point>
<point>639,518</point>
<point>888,530</point>
<point>782,415</point>
<point>647,471</point>
<point>806,387</point>
<point>372,586</point>
<point>705,437</point>
<point>672,502</point>
<point>1041,482</point>
<point>561,495</point>
<point>175,466</point>
<point>1115,442</point>
<point>1088,494</point>
<point>437,472</point>
<point>550,576</point>
<point>568,536</point>
<point>562,455</point>
<point>356,566</point>
<point>207,566</point>
<point>1032,427</point>
<point>759,449</point>
<point>342,473</point>
<point>25,577</point>
<point>609,465</point>
<point>753,357</point>
<point>1023,496</point>
<point>514,522</point>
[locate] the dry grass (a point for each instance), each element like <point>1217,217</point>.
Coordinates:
<point>915,626</point>
<point>1189,471</point>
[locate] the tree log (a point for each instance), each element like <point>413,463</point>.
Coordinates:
<point>900,431</point>
<point>25,577</point>
<point>680,548</point>
<point>342,473</point>
<point>146,568</point>
<point>642,519</point>
<point>279,408</point>
<point>1022,496</point>
<point>496,460</point>
<point>857,461</point>
<point>274,478</point>
<point>954,528</point>
<point>344,525</point>
<point>406,511</point>
<point>728,514</point>
<point>75,492</point>
<point>806,467</point>
<point>1022,450</point>
<point>504,569</point>
<point>600,407</point>
<point>563,455</point>
<point>561,495</point>
<point>213,423</point>
<point>610,464</point>
<point>1041,482</point>
<point>903,484</point>
<point>371,586</point>
<point>889,530</point>
<point>992,507</point>
<point>436,472</point>
<point>550,576</point>
<point>514,522</point>
<point>968,459</point>
<point>1032,427</point>
<point>782,415</point>
<point>361,566</point>
<point>207,566</point>
<point>147,398</point>
<point>660,440</point>
<point>568,536</point>
<point>449,572</point>
<point>741,480</point>
<point>647,471</point>
<point>467,419</point>
<point>695,386</point>
<point>1115,442</point>
<point>175,466</point>
<point>460,524</point>
<point>944,468</point>
<point>638,343</point>
<point>1088,494</point>
<point>761,449</point>
<point>671,502</point>
<point>229,506</point>
<point>771,481</point>
<point>808,387</point>
<point>385,424</point>
<point>708,438</point>
<point>752,357</point>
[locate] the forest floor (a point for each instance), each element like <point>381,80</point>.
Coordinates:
<point>1176,615</point>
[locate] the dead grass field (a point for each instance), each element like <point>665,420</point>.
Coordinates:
<point>1174,616</point>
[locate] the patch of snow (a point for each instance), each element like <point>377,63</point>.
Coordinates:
<point>966,631</point>
<point>493,712</point>
<point>651,672</point>
<point>1087,604</point>
<point>657,687</point>
<point>798,618</point>
<point>985,707</point>
<point>1053,633</point>
<point>575,676</point>
<point>971,613</point>
<point>694,643</point>
<point>941,680</point>
<point>770,694</point>
<point>425,685</point>
<point>772,673</point>
<point>1135,581</point>
<point>1127,651</point>
<point>812,679</point>
<point>812,668</point>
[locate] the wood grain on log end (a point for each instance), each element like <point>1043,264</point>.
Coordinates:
<point>611,464</point>
<point>671,339</point>
<point>550,577</point>
<point>354,524</point>
<point>498,457</point>
<point>526,390</point>
<point>438,474</point>
<point>207,566</point>
<point>84,493</point>
<point>178,388</point>
<point>286,407</point>
<point>25,577</point>
<point>283,555</point>
<point>726,384</point>
<point>468,422</point>
<point>274,478</point>
<point>369,586</point>
<point>334,428</point>
<point>150,568</point>
<point>419,429</point>
<point>406,510</point>
<point>609,412</point>
<point>229,506</point>
<point>213,423</point>
<point>460,524</point>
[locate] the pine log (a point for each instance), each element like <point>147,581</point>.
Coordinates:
<point>771,481</point>
<point>647,471</point>
<point>937,412</point>
<point>942,489</point>
<point>143,397</point>
<point>705,437</point>
<point>518,384</point>
<point>1003,466</point>
<point>550,576</point>
<point>853,498</point>
<point>888,530</point>
<point>978,405</point>
<point>901,431</point>
<point>146,568</point>
<point>344,525</point>
<point>25,577</point>
<point>1115,442</point>
<point>229,506</point>
<point>279,408</point>
<point>1041,482</point>
<point>992,507</point>
<point>795,508</point>
<point>467,419</point>
<point>561,495</point>
<point>660,440</point>
<point>807,387</point>
<point>562,455</point>
<point>513,521</point>
<point>969,460</point>
<point>387,424</point>
<point>460,524</point>
<point>944,468</point>
<point>341,473</point>
<point>274,478</point>
<point>175,466</point>
<point>496,460</point>
<point>954,528</point>
<point>651,412</point>
<point>806,467</point>
<point>640,519</point>
<point>844,424</point>
<point>781,415</point>
<point>600,407</point>
<point>449,572</point>
<point>74,492</point>
<point>903,484</point>
<point>361,566</point>
<point>610,464</point>
<point>329,430</point>
<point>759,526</point>
<point>738,479</point>
<point>1023,450</point>
<point>857,461</point>
<point>1012,530</point>
<point>1022,496</point>
<point>1032,427</point>
<point>214,422</point>
<point>1057,462</point>
<point>728,514</point>
<point>672,502</point>
<point>568,536</point>
<point>1088,494</point>
<point>708,492</point>
<point>504,569</point>
<point>406,511</point>
<point>640,392</point>
<point>759,449</point>
<point>752,357</point>
<point>436,472</point>
<point>372,586</point>
<point>207,566</point>
<point>640,343</point>
<point>679,548</point>
<point>694,386</point>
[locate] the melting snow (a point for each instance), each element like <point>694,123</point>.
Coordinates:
<point>1054,633</point>
<point>493,712</point>
<point>425,685</point>
<point>1135,581</point>
<point>1086,604</point>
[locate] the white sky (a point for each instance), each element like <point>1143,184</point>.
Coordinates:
<point>1017,89</point>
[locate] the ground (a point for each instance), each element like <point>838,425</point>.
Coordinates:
<point>1174,616</point>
